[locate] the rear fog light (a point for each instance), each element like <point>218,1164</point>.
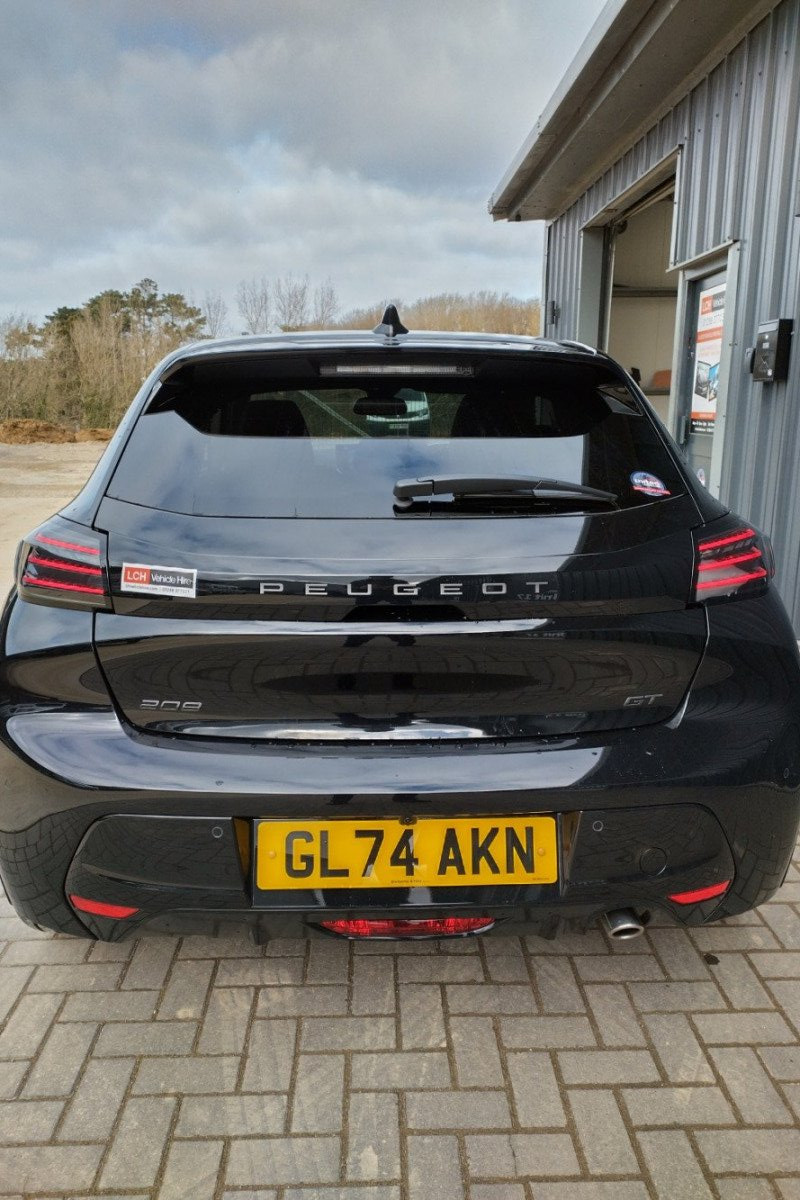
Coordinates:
<point>436,927</point>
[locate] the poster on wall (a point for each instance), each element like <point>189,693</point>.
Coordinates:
<point>708,352</point>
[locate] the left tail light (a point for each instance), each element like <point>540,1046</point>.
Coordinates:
<point>64,564</point>
<point>734,562</point>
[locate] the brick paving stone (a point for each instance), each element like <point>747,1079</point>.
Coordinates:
<point>558,991</point>
<point>784,923</point>
<point>475,1051</point>
<point>373,985</point>
<point>307,1000</point>
<point>753,1151</point>
<point>782,1062</point>
<point>187,991</point>
<point>686,1106</point>
<point>743,1029</point>
<point>10,1078</point>
<point>373,1139</point>
<point>198,945</point>
<point>614,1015</point>
<point>598,968</point>
<point>79,977</point>
<point>28,1120</point>
<point>678,954</point>
<point>497,1191</point>
<point>440,969</point>
<point>94,1106</point>
<point>545,1033</point>
<point>258,972</point>
<point>138,1144</point>
<point>749,1086</point>
<point>328,961</point>
<point>389,1071</point>
<point>674,996</point>
<point>56,952</point>
<point>494,1155</point>
<point>231,1116</point>
<point>60,1061</point>
<point>673,1165</point>
<point>678,1049</point>
<point>421,1017</point>
<point>792,1093</point>
<point>348,1033</point>
<point>111,951</point>
<point>720,939</point>
<point>27,1026</point>
<point>788,1189</point>
<point>776,964</point>
<point>318,1094</point>
<point>590,1190</point>
<point>743,1187</point>
<point>739,982</point>
<point>149,964</point>
<point>535,1090</point>
<point>227,1019</point>
<point>496,998</point>
<point>270,1054</point>
<point>434,1168</point>
<point>37,1169</point>
<point>375,1191</point>
<point>458,1110</point>
<point>110,1006</point>
<point>191,1171</point>
<point>607,1066</point>
<point>159,1076</point>
<point>606,1146</point>
<point>12,981</point>
<point>787,994</point>
<point>276,1161</point>
<point>146,1037</point>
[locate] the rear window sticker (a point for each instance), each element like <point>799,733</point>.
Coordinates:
<point>150,580</point>
<point>649,485</point>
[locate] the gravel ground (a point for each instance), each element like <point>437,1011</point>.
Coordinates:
<point>495,1069</point>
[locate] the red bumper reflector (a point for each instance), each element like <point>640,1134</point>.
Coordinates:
<point>706,893</point>
<point>98,909</point>
<point>436,927</point>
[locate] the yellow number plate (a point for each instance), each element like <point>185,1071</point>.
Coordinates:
<point>386,854</point>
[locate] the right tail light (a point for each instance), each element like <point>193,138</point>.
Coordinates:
<point>732,564</point>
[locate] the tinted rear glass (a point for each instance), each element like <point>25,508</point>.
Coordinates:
<point>309,438</point>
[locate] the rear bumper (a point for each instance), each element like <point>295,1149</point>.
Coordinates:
<point>149,823</point>
<point>717,788</point>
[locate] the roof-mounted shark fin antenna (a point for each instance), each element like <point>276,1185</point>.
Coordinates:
<point>390,325</point>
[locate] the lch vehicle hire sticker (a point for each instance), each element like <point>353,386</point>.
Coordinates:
<point>158,581</point>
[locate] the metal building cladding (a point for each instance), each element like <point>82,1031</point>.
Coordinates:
<point>667,168</point>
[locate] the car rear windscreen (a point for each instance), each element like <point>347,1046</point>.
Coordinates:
<point>329,437</point>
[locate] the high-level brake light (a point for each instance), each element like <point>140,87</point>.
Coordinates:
<point>734,563</point>
<point>433,927</point>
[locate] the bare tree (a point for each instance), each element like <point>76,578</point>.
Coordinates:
<point>325,305</point>
<point>215,311</point>
<point>253,302</point>
<point>291,302</point>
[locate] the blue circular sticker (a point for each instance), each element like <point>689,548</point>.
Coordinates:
<point>647,484</point>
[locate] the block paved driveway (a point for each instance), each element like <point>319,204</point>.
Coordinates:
<point>495,1069</point>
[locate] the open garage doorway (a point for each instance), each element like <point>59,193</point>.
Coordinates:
<point>643,301</point>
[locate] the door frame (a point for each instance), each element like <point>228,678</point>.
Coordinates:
<point>724,257</point>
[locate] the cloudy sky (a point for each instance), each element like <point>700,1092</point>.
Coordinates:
<point>202,142</point>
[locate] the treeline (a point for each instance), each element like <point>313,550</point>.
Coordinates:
<point>81,366</point>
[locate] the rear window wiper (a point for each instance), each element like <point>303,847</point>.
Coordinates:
<point>406,491</point>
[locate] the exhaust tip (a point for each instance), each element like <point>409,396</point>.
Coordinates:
<point>622,924</point>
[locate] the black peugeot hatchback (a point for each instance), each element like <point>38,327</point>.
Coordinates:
<point>393,635</point>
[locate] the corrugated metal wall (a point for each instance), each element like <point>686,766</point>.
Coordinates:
<point>739,179</point>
